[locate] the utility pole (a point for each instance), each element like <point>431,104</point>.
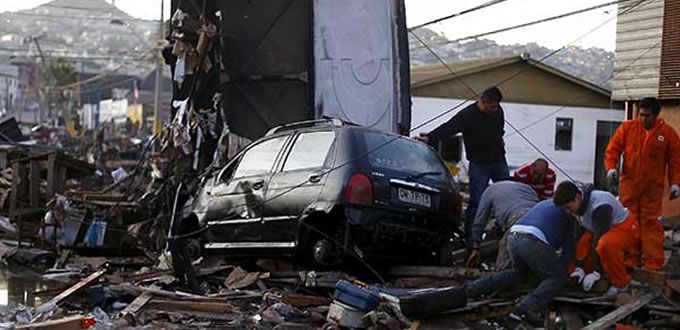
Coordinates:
<point>48,70</point>
<point>159,71</point>
<point>46,96</point>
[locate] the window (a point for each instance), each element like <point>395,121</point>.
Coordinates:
<point>310,150</point>
<point>260,158</point>
<point>563,133</point>
<point>402,154</point>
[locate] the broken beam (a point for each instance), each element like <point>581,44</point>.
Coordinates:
<point>620,313</point>
<point>305,300</point>
<point>433,271</point>
<point>654,277</point>
<point>78,286</point>
<point>67,323</point>
<point>188,306</point>
<point>671,292</point>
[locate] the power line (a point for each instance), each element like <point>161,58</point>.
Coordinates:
<point>544,20</point>
<point>482,6</point>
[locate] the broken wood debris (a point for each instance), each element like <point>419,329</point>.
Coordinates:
<point>623,311</point>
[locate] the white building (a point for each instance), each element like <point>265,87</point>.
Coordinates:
<point>9,88</point>
<point>568,119</point>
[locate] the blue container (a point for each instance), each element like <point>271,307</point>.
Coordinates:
<point>355,296</point>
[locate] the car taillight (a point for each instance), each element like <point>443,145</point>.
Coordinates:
<point>359,190</point>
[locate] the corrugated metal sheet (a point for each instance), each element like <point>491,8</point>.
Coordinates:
<point>638,50</point>
<point>669,83</point>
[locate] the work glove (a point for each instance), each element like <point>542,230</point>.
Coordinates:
<point>590,280</point>
<point>675,191</point>
<point>613,180</point>
<point>578,274</point>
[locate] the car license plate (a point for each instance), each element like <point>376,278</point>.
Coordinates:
<point>414,197</point>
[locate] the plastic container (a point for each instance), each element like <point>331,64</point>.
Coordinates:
<point>355,296</point>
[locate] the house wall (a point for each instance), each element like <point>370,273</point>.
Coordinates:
<point>537,123</point>
<point>533,86</point>
<point>638,50</point>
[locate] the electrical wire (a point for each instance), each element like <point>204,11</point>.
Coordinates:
<point>514,27</point>
<point>467,11</point>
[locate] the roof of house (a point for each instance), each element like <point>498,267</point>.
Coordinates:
<point>428,75</point>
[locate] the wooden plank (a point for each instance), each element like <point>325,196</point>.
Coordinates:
<point>434,271</point>
<point>671,293</point>
<point>189,306</point>
<point>51,174</point>
<point>14,193</point>
<point>305,300</point>
<point>136,305</point>
<point>34,183</point>
<point>654,277</point>
<point>571,317</point>
<point>78,286</point>
<point>67,323</point>
<point>620,313</point>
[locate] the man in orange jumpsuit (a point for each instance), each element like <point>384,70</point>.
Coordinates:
<point>610,242</point>
<point>649,148</point>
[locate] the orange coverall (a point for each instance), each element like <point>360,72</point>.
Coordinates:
<point>646,155</point>
<point>617,249</point>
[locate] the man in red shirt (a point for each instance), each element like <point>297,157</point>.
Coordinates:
<point>539,176</point>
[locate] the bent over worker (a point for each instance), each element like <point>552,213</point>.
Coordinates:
<point>539,176</point>
<point>649,148</point>
<point>611,233</point>
<point>533,244</point>
<point>507,202</point>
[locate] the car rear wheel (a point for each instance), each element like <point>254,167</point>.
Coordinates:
<point>323,252</point>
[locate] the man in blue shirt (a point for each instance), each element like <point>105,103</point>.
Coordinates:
<point>533,244</point>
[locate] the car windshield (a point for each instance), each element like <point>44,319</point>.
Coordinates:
<point>401,154</point>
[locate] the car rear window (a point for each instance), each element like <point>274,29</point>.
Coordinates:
<point>399,153</point>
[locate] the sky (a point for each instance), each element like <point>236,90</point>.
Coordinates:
<point>553,35</point>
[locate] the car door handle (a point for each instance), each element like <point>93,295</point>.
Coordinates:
<point>315,177</point>
<point>257,185</point>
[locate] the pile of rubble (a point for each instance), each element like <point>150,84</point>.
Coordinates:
<point>137,292</point>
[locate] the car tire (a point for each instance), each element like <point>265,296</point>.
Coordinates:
<point>323,252</point>
<point>446,253</point>
<point>193,249</point>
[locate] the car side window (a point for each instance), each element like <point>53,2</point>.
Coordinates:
<point>309,151</point>
<point>260,158</point>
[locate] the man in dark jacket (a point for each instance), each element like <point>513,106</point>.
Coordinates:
<point>482,125</point>
<point>533,244</point>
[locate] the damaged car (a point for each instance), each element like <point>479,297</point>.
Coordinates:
<point>325,189</point>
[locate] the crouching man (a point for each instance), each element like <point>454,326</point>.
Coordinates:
<point>507,202</point>
<point>611,240</point>
<point>533,244</point>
